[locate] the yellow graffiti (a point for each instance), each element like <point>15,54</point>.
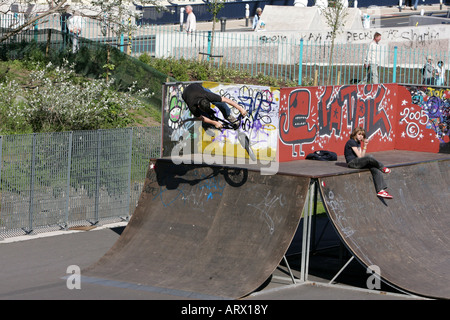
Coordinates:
<point>433,92</point>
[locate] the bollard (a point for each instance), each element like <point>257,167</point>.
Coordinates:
<point>223,22</point>
<point>247,14</point>
<point>181,18</point>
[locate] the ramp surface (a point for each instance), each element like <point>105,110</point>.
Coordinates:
<point>204,229</point>
<point>407,237</point>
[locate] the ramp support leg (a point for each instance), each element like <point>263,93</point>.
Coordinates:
<point>342,269</point>
<point>289,269</point>
<point>306,242</point>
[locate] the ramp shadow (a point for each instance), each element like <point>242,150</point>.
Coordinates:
<point>171,179</point>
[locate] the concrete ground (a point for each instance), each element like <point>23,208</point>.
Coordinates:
<point>241,24</point>
<point>41,267</point>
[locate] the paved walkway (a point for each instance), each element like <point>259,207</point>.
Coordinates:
<point>37,268</point>
<point>241,25</point>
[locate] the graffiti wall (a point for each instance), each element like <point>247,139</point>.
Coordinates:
<point>261,125</point>
<point>424,119</point>
<point>289,123</point>
<point>322,118</point>
<point>394,116</point>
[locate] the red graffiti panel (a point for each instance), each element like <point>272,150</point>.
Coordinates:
<point>322,118</point>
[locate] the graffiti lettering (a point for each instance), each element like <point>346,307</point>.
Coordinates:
<point>296,125</point>
<point>338,109</point>
<point>375,115</point>
<point>261,124</point>
<point>273,39</point>
<point>412,120</point>
<point>433,112</point>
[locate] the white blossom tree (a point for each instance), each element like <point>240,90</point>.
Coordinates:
<point>114,13</point>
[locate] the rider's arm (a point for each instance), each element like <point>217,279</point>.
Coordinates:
<point>216,124</point>
<point>234,104</point>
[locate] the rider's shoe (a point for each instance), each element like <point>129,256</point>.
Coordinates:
<point>234,122</point>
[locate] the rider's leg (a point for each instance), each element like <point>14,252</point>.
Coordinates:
<point>224,108</point>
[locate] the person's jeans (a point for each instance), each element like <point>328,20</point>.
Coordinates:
<point>374,73</point>
<point>416,3</point>
<point>375,167</point>
<point>428,81</point>
<point>75,45</point>
<point>222,106</point>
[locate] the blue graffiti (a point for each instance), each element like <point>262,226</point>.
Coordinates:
<point>437,108</point>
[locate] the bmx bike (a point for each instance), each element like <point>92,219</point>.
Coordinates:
<point>227,125</point>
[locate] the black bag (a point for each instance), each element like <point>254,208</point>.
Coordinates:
<point>322,155</point>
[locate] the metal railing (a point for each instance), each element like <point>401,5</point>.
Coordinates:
<point>60,180</point>
<point>284,57</point>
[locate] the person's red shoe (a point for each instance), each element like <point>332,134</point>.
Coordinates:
<point>384,194</point>
<point>386,170</point>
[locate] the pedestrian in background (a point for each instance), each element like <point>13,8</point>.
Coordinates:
<point>371,60</point>
<point>257,18</point>
<point>75,25</point>
<point>428,72</point>
<point>65,16</point>
<point>439,74</point>
<point>191,21</point>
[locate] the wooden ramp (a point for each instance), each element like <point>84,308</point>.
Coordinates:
<point>204,229</point>
<point>407,237</point>
<point>220,231</point>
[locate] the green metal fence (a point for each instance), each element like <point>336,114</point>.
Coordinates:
<point>59,180</point>
<point>283,55</point>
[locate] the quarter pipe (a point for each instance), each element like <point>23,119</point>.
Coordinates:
<point>217,231</point>
<point>407,238</point>
<point>221,231</point>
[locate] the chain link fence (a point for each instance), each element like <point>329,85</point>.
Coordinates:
<point>52,181</point>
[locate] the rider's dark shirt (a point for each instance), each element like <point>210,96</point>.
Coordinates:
<point>192,95</point>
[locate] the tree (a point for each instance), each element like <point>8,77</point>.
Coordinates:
<point>26,7</point>
<point>214,7</point>
<point>115,12</point>
<point>335,16</point>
